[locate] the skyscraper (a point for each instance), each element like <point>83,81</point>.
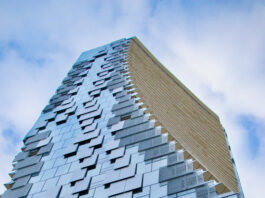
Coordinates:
<point>121,125</point>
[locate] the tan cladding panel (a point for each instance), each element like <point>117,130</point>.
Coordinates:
<point>183,115</point>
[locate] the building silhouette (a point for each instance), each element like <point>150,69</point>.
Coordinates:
<point>121,125</point>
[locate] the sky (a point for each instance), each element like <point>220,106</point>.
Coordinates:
<point>216,48</point>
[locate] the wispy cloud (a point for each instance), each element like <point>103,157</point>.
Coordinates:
<point>215,48</point>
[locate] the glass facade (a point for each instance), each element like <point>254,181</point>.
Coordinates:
<point>94,139</point>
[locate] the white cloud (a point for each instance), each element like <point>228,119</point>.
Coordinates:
<point>217,51</point>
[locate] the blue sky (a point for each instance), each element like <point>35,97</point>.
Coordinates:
<point>253,127</point>
<point>216,48</point>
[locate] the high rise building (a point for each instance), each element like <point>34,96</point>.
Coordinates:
<point>121,125</point>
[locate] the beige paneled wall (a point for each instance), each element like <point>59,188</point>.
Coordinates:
<point>183,115</point>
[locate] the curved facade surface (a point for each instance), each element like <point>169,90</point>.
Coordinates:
<point>101,135</point>
<point>191,123</point>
